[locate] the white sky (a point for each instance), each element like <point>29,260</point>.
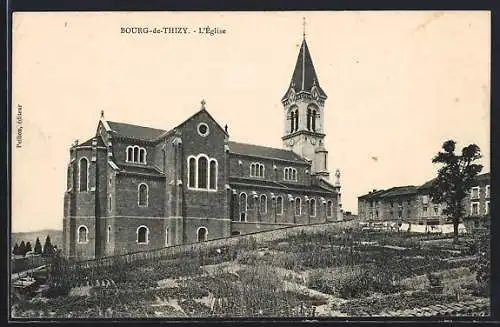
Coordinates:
<point>399,84</point>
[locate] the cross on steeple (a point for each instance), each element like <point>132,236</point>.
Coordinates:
<point>203,103</point>
<point>304,28</point>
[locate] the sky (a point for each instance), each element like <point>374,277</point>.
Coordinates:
<point>399,84</point>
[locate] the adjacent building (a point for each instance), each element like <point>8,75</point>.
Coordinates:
<point>132,188</point>
<point>413,204</point>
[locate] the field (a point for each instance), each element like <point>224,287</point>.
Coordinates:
<point>352,273</point>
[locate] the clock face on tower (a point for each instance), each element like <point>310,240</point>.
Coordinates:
<point>291,142</point>
<point>313,141</point>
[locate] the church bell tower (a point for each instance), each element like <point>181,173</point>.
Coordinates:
<point>303,105</point>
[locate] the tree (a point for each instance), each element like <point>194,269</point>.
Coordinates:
<point>28,247</point>
<point>48,249</point>
<point>454,180</point>
<point>38,246</point>
<point>22,248</point>
<point>16,249</point>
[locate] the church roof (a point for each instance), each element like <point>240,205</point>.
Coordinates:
<point>248,183</point>
<point>264,151</point>
<point>89,142</point>
<point>135,131</point>
<point>304,76</point>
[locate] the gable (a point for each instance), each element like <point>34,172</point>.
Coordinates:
<point>202,115</point>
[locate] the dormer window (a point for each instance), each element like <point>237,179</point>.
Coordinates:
<point>257,169</point>
<point>290,174</point>
<point>136,154</point>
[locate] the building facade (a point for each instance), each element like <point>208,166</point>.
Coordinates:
<point>413,204</point>
<point>132,188</point>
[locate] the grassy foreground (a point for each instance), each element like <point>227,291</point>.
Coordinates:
<point>354,273</point>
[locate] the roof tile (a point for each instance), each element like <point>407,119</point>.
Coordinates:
<point>264,151</point>
<point>135,131</point>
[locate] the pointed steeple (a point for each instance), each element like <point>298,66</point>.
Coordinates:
<point>304,76</point>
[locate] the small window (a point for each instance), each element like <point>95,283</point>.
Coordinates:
<point>279,205</point>
<point>298,207</point>
<point>108,235</point>
<point>203,129</point>
<point>83,234</point>
<point>192,172</point>
<point>142,235</point>
<point>329,208</point>
<point>312,207</point>
<point>487,191</point>
<point>475,192</point>
<point>142,155</point>
<point>486,207</point>
<point>235,233</point>
<point>110,203</point>
<point>142,195</point>
<point>213,174</point>
<point>202,234</point>
<point>167,241</point>
<point>263,204</point>
<point>83,174</point>
<point>202,172</point>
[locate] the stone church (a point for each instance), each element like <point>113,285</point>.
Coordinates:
<point>132,188</point>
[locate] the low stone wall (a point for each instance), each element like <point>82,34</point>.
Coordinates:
<point>186,249</point>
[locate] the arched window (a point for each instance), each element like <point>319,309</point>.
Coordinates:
<point>243,206</point>
<point>312,207</point>
<point>298,207</point>
<point>279,205</point>
<point>257,169</point>
<point>213,174</point>
<point>192,172</point>
<point>263,203</point>
<point>142,195</point>
<point>70,177</point>
<point>202,234</point>
<point>110,203</point>
<point>296,120</point>
<point>136,154</point>
<point>130,154</point>
<point>313,118</point>
<point>142,234</point>
<point>202,172</point>
<point>142,155</point>
<point>83,175</point>
<point>329,208</point>
<point>292,121</point>
<point>290,174</point>
<point>167,241</point>
<point>108,235</point>
<point>83,234</point>
<point>308,119</point>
